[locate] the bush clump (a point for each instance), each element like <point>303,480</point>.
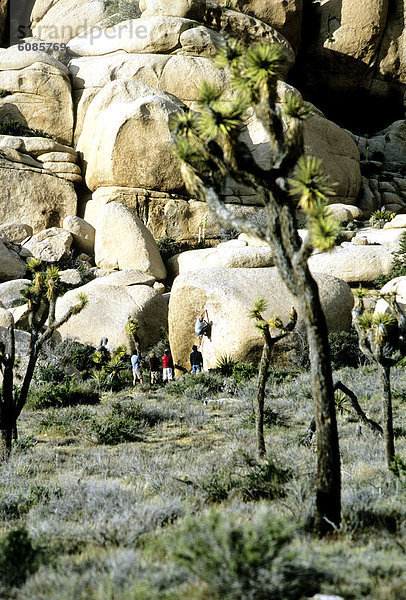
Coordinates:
<point>16,128</point>
<point>124,423</point>
<point>66,393</point>
<point>243,559</point>
<point>246,477</point>
<point>18,557</point>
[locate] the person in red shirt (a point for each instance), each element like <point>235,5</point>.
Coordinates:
<point>167,366</point>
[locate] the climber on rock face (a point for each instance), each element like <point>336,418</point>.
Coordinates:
<point>202,326</point>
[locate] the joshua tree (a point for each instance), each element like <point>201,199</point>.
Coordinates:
<point>382,338</point>
<point>210,149</point>
<point>265,327</point>
<point>41,295</point>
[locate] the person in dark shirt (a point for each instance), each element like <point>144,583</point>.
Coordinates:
<point>196,360</point>
<point>154,368</point>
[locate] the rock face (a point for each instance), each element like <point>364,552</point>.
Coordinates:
<point>123,242</point>
<point>398,286</point>
<point>50,245</point>
<point>228,294</point>
<point>11,265</point>
<point>62,20</point>
<point>178,75</point>
<point>354,263</point>
<point>166,214</point>
<point>226,257</point>
<point>14,232</point>
<point>188,9</point>
<point>39,92</point>
<point>29,193</point>
<point>136,36</point>
<point>107,313</point>
<point>126,138</point>
<point>83,233</point>
<point>285,17</point>
<point>340,156</point>
<point>10,292</point>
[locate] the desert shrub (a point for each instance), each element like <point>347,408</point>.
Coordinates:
<point>79,355</point>
<point>243,372</point>
<point>4,93</point>
<point>216,485</point>
<point>18,557</point>
<point>226,365</point>
<point>380,217</point>
<point>168,247</point>
<point>70,420</point>
<point>345,351</point>
<point>246,477</point>
<point>68,393</point>
<point>242,559</point>
<point>125,423</point>
<point>16,128</point>
<point>50,374</point>
<point>261,479</point>
<point>399,265</point>
<point>209,383</point>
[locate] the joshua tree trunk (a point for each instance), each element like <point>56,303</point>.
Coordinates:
<point>259,409</point>
<point>384,374</point>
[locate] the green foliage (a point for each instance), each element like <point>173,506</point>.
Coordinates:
<point>380,217</point>
<point>345,350</point>
<point>18,557</point>
<point>79,355</point>
<point>262,479</point>
<point>168,246</point>
<point>244,371</point>
<point>399,264</point>
<point>250,479</point>
<point>124,423</point>
<point>4,93</point>
<point>16,128</point>
<point>241,559</point>
<point>69,392</point>
<point>210,383</point>
<point>226,365</point>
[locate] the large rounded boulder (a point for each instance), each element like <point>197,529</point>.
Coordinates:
<point>228,295</point>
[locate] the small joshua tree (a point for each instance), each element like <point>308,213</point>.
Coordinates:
<point>41,296</point>
<point>210,150</point>
<point>382,338</point>
<point>265,327</point>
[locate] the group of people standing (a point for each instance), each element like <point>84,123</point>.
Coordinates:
<point>154,367</point>
<point>202,327</point>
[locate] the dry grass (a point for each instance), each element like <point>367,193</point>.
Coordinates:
<point>108,517</point>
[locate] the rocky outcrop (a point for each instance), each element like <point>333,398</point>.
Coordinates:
<point>352,36</point>
<point>50,245</point>
<point>123,242</point>
<point>62,20</point>
<point>227,295</point>
<point>285,17</point>
<point>354,263</point>
<point>187,9</point>
<point>126,138</point>
<point>169,215</point>
<point>83,233</point>
<point>107,313</point>
<point>15,232</point>
<point>10,292</point>
<point>40,95</point>
<point>225,256</point>
<point>11,265</point>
